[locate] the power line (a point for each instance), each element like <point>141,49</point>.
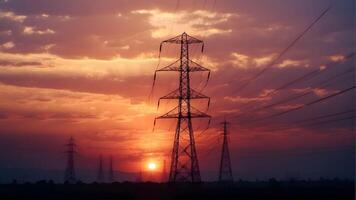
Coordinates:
<point>330,121</point>
<point>306,121</point>
<point>294,152</point>
<point>281,54</point>
<point>306,105</point>
<point>274,91</point>
<point>306,76</point>
<point>311,124</point>
<point>288,99</point>
<point>325,116</point>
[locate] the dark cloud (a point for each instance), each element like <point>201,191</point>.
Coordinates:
<point>44,115</point>
<point>6,63</point>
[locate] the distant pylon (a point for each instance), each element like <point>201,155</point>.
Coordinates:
<point>100,177</point>
<point>111,171</point>
<point>139,177</point>
<point>164,172</point>
<point>225,172</point>
<point>69,175</point>
<point>184,159</point>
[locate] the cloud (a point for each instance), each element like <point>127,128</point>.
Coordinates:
<point>12,16</point>
<point>337,58</point>
<point>244,100</point>
<point>31,30</point>
<point>200,22</point>
<point>293,63</point>
<point>246,62</point>
<point>7,45</point>
<point>320,92</point>
<point>240,60</point>
<point>6,32</point>
<point>96,68</point>
<point>46,104</point>
<point>287,107</point>
<point>19,64</point>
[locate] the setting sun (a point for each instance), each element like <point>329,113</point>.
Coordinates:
<point>152,166</point>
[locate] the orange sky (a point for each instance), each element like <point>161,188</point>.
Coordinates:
<point>85,68</point>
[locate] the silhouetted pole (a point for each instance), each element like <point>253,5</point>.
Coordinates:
<point>100,178</point>
<point>111,170</point>
<point>225,172</point>
<point>184,159</point>
<point>164,172</point>
<point>69,176</point>
<point>139,178</point>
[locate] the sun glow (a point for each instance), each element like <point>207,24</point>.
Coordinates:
<point>152,166</point>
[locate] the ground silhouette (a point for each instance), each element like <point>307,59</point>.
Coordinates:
<point>272,189</point>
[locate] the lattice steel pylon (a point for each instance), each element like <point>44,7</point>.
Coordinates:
<point>69,175</point>
<point>225,172</point>
<point>184,161</point>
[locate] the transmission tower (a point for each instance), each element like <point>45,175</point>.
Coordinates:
<point>100,177</point>
<point>111,171</point>
<point>184,160</point>
<point>225,172</point>
<point>69,175</point>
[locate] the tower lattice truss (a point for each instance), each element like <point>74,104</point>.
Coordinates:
<point>184,161</point>
<point>69,175</point>
<point>225,172</point>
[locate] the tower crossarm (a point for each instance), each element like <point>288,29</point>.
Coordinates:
<point>171,67</point>
<point>178,40</point>
<point>175,95</point>
<point>193,67</point>
<point>175,66</point>
<point>174,113</point>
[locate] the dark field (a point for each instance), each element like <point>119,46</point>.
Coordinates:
<point>301,190</point>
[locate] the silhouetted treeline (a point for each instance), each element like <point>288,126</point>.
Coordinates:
<point>271,189</point>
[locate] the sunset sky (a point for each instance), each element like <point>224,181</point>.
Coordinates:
<point>84,68</point>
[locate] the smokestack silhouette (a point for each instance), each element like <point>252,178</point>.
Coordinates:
<point>69,176</point>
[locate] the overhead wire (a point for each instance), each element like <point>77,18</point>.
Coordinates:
<point>311,124</point>
<point>323,84</point>
<point>284,51</point>
<point>306,105</point>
